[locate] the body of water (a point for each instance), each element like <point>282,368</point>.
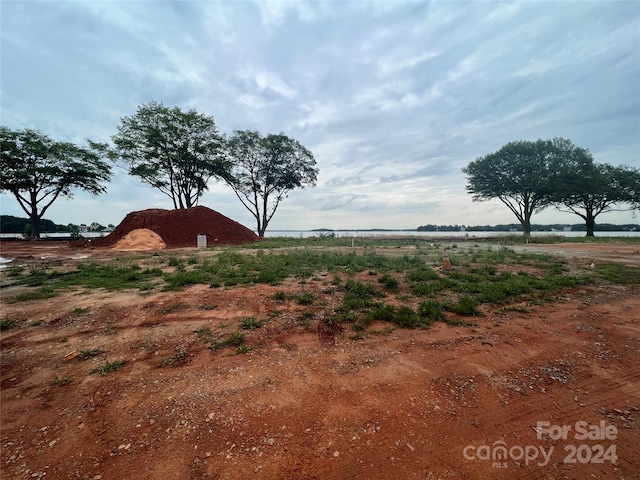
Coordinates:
<point>413,233</point>
<point>373,233</point>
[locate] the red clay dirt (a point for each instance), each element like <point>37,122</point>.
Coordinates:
<point>180,228</point>
<point>309,402</point>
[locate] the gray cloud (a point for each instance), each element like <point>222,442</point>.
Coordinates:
<point>393,98</point>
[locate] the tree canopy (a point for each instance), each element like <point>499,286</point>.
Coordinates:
<point>174,151</point>
<point>521,175</point>
<point>37,170</point>
<point>265,169</point>
<point>588,189</point>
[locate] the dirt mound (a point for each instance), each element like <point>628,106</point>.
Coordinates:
<point>179,228</point>
<point>140,239</point>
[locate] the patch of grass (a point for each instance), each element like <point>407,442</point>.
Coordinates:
<point>618,273</point>
<point>109,367</point>
<point>358,296</point>
<point>431,311</point>
<point>279,296</point>
<point>7,323</point>
<point>390,283</point>
<point>250,323</point>
<point>204,332</point>
<point>87,354</point>
<point>80,311</point>
<point>465,306</point>
<point>40,294</point>
<point>234,340</point>
<point>383,312</point>
<point>242,349</point>
<point>306,298</point>
<point>406,317</point>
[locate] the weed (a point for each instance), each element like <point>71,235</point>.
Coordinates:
<point>109,367</point>
<point>174,359</point>
<point>305,298</point>
<point>406,317</point>
<point>234,340</point>
<point>87,354</point>
<point>6,324</point>
<point>390,283</point>
<point>60,382</point>
<point>241,349</point>
<point>431,311</point>
<point>80,311</point>
<point>279,296</point>
<point>203,332</point>
<point>465,306</point>
<point>250,323</point>
<point>383,312</point>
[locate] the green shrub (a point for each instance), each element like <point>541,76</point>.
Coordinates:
<point>431,311</point>
<point>383,312</point>
<point>465,306</point>
<point>390,283</point>
<point>406,317</point>
<point>305,298</point>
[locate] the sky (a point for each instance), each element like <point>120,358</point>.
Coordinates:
<point>392,98</point>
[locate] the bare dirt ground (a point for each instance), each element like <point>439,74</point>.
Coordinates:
<point>309,402</point>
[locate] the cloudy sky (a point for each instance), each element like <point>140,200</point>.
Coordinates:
<point>392,98</point>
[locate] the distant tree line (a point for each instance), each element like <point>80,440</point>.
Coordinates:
<point>517,227</point>
<point>11,224</point>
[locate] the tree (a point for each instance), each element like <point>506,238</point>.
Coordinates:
<point>37,170</point>
<point>521,175</point>
<point>588,189</point>
<point>265,169</point>
<point>174,151</point>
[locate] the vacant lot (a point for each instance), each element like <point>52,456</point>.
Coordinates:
<point>312,359</point>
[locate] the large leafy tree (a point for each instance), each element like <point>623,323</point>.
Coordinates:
<point>522,175</point>
<point>174,151</point>
<point>588,189</point>
<point>266,169</point>
<point>38,170</point>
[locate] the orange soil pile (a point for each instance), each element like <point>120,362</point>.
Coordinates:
<point>176,229</point>
<point>140,239</point>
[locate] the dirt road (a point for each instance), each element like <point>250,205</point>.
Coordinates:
<point>548,391</point>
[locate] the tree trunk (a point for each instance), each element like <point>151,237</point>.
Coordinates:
<point>526,228</point>
<point>35,218</point>
<point>591,223</point>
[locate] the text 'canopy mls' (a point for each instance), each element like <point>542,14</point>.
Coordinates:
<point>174,151</point>
<point>37,170</point>
<point>266,169</point>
